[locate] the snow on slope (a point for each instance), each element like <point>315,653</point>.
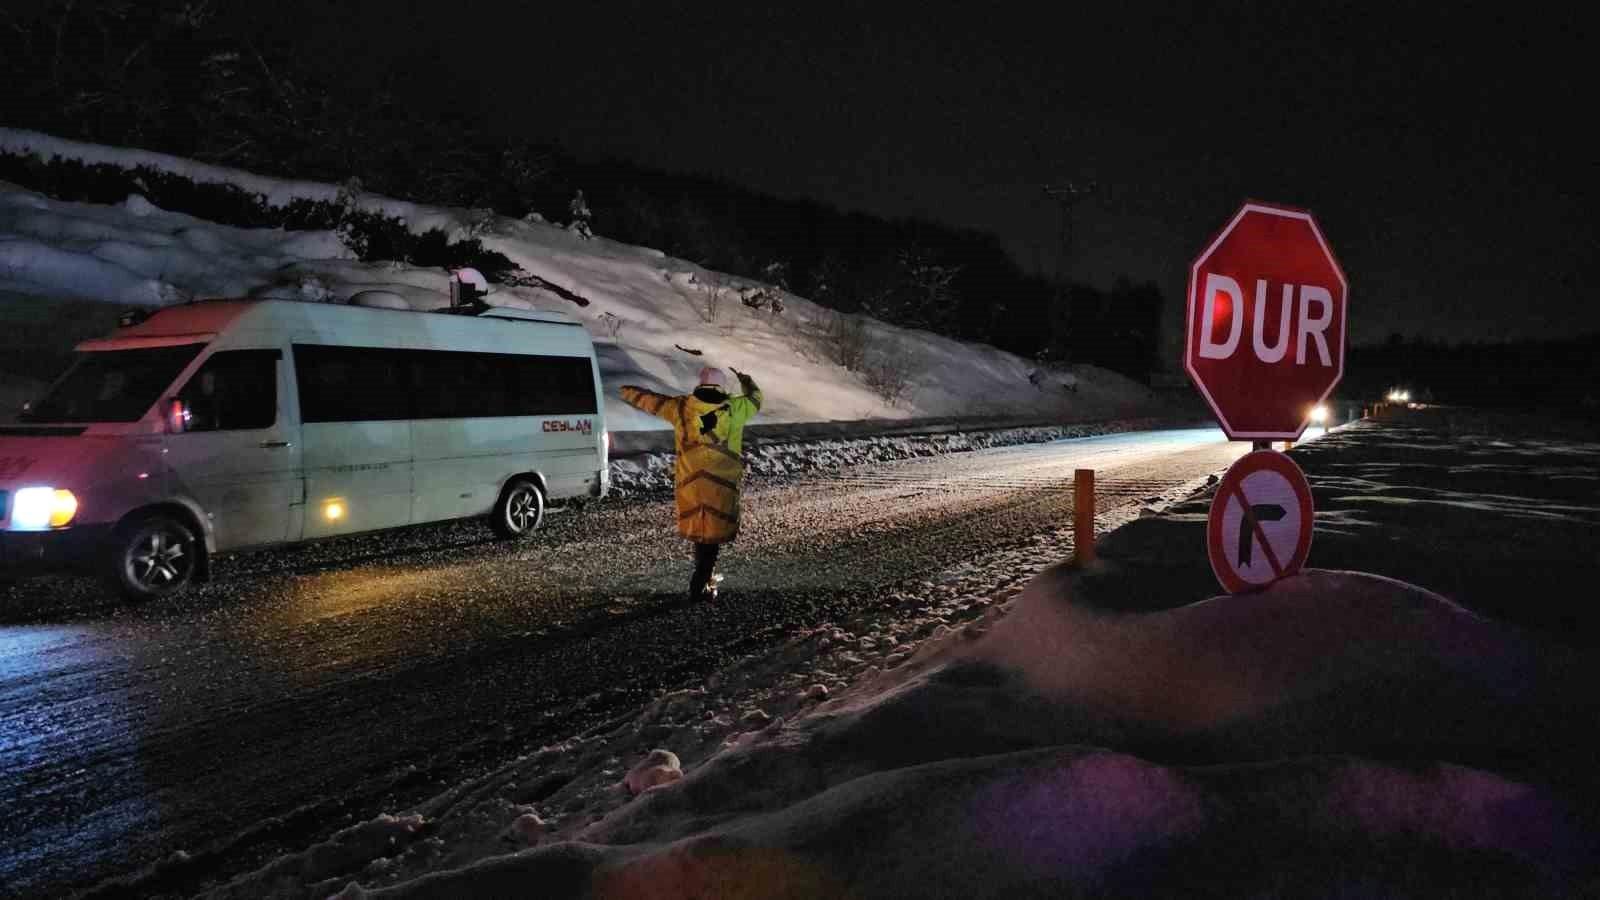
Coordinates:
<point>644,304</point>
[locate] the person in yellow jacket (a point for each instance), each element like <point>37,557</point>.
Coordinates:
<point>709,430</point>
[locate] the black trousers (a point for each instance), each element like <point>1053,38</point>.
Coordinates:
<point>705,560</point>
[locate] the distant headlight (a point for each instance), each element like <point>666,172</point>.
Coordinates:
<point>39,508</point>
<point>1319,415</point>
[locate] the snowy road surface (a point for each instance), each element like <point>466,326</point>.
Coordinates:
<point>313,687</point>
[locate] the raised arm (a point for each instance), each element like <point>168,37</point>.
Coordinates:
<point>659,405</point>
<point>752,391</point>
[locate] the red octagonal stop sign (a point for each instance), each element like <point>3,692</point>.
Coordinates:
<point>1266,322</point>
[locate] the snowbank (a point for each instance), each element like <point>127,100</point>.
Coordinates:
<point>974,769</point>
<point>1270,673</point>
<point>366,846</point>
<point>1079,822</point>
<point>771,454</point>
<point>657,320</point>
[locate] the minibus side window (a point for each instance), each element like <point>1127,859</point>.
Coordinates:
<point>352,384</point>
<point>488,395</point>
<point>235,390</point>
<point>460,385</point>
<point>552,385</point>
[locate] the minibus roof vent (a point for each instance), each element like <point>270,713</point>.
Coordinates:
<point>379,300</point>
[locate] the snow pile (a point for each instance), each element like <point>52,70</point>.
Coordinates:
<point>657,320</point>
<point>660,767</point>
<point>654,471</point>
<point>1267,671</point>
<point>369,845</point>
<point>972,767</point>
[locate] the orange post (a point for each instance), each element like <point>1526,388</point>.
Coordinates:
<point>1083,515</point>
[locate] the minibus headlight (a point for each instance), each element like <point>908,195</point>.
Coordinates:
<point>38,508</point>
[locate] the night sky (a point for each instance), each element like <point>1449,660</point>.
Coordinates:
<point>1444,153</point>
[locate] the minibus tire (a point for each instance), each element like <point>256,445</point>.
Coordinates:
<point>136,542</point>
<point>520,510</point>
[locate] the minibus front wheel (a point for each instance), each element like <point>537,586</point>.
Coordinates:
<point>520,510</point>
<point>153,556</point>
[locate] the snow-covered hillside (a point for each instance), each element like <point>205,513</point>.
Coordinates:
<point>644,307</point>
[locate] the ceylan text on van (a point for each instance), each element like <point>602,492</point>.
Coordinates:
<point>225,425</point>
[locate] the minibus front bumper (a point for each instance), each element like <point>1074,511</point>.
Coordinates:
<point>74,549</point>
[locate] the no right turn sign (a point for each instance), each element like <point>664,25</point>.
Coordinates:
<point>1260,525</point>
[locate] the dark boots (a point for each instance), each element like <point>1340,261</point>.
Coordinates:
<point>701,584</point>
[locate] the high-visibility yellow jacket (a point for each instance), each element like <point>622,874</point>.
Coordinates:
<point>709,430</point>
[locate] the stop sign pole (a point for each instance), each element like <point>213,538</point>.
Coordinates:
<point>1266,316</point>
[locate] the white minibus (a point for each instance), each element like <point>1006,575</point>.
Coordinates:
<point>228,424</point>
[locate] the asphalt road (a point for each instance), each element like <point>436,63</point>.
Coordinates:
<point>311,687</point>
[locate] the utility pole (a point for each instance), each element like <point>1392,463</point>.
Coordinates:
<point>1067,194</point>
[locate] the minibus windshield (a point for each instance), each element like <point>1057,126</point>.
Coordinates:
<point>112,385</point>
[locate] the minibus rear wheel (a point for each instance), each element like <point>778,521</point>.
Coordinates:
<point>520,511</point>
<point>153,556</point>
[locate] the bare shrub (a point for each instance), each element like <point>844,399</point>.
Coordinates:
<point>889,373</point>
<point>779,324</point>
<point>713,302</point>
<point>612,323</point>
<point>844,339</point>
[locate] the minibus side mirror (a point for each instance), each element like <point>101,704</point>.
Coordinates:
<point>177,416</point>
